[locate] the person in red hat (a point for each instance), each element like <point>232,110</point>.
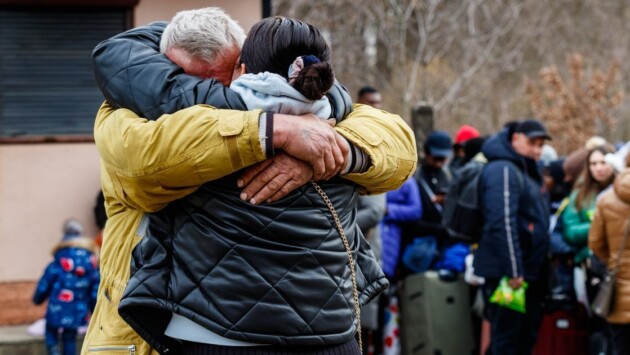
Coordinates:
<point>464,134</point>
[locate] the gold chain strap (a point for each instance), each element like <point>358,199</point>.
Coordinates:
<point>355,289</point>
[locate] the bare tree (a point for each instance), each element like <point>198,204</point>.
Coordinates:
<point>578,106</point>
<point>426,51</point>
<point>468,59</point>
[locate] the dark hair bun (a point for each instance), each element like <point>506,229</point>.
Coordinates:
<point>315,80</point>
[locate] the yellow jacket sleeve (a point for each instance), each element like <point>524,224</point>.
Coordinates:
<point>152,163</point>
<point>388,141</point>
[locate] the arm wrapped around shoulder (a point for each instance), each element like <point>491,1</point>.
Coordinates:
<point>132,73</point>
<point>152,163</point>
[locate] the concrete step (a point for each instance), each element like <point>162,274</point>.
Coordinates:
<point>14,340</point>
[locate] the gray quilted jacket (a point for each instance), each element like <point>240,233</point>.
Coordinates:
<point>270,274</point>
<point>276,273</point>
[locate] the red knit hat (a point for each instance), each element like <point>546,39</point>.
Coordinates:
<point>465,133</point>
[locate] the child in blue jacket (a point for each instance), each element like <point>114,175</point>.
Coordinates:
<point>70,283</point>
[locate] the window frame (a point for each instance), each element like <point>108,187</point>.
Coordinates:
<point>127,6</point>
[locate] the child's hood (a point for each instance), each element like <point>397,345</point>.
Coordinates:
<point>79,242</point>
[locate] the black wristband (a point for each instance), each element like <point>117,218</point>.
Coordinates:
<point>353,158</point>
<point>269,134</point>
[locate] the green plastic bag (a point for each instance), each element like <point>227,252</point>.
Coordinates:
<point>505,296</point>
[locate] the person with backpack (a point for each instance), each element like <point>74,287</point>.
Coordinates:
<point>515,237</point>
<point>433,179</point>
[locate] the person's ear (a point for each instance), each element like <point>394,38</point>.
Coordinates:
<point>243,68</point>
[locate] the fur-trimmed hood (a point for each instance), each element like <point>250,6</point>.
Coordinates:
<point>78,242</point>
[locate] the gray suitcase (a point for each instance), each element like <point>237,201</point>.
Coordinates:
<point>435,316</point>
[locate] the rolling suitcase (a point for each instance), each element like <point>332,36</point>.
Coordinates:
<point>563,332</point>
<point>435,316</point>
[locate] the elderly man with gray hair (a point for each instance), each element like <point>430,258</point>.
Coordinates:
<point>205,43</point>
<point>149,162</point>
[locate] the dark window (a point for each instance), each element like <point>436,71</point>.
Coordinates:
<point>46,84</point>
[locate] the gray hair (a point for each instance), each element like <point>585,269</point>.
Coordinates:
<point>202,33</point>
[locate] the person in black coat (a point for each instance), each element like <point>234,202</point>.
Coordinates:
<point>433,178</point>
<point>515,237</point>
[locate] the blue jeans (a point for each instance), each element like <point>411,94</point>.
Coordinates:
<point>513,332</point>
<point>68,337</point>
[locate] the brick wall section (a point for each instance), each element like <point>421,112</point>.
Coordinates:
<point>16,305</point>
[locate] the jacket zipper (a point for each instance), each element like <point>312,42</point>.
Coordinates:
<point>130,348</point>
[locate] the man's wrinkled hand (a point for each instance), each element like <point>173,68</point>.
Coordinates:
<point>274,178</point>
<point>312,140</point>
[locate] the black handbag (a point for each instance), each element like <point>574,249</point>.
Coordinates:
<point>603,303</point>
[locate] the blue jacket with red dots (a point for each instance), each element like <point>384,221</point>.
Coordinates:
<point>70,283</point>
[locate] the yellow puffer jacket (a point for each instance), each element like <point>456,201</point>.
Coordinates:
<point>147,164</point>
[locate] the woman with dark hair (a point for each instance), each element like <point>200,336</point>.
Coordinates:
<point>247,277</point>
<point>596,177</point>
<point>284,68</point>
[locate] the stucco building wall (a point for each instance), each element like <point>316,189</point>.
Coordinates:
<point>43,184</point>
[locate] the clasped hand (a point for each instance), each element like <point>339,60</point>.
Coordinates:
<point>308,148</point>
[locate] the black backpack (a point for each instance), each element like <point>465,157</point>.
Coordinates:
<point>462,215</point>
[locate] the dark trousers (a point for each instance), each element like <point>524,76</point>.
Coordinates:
<point>513,332</point>
<point>621,338</point>
<point>68,337</point>
<point>349,348</point>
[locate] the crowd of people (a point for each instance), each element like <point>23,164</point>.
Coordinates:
<point>253,209</point>
<point>551,225</point>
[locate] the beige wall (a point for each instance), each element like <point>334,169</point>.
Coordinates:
<point>43,184</point>
<point>246,12</point>
<point>40,186</point>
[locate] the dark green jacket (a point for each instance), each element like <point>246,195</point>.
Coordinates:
<point>577,224</point>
